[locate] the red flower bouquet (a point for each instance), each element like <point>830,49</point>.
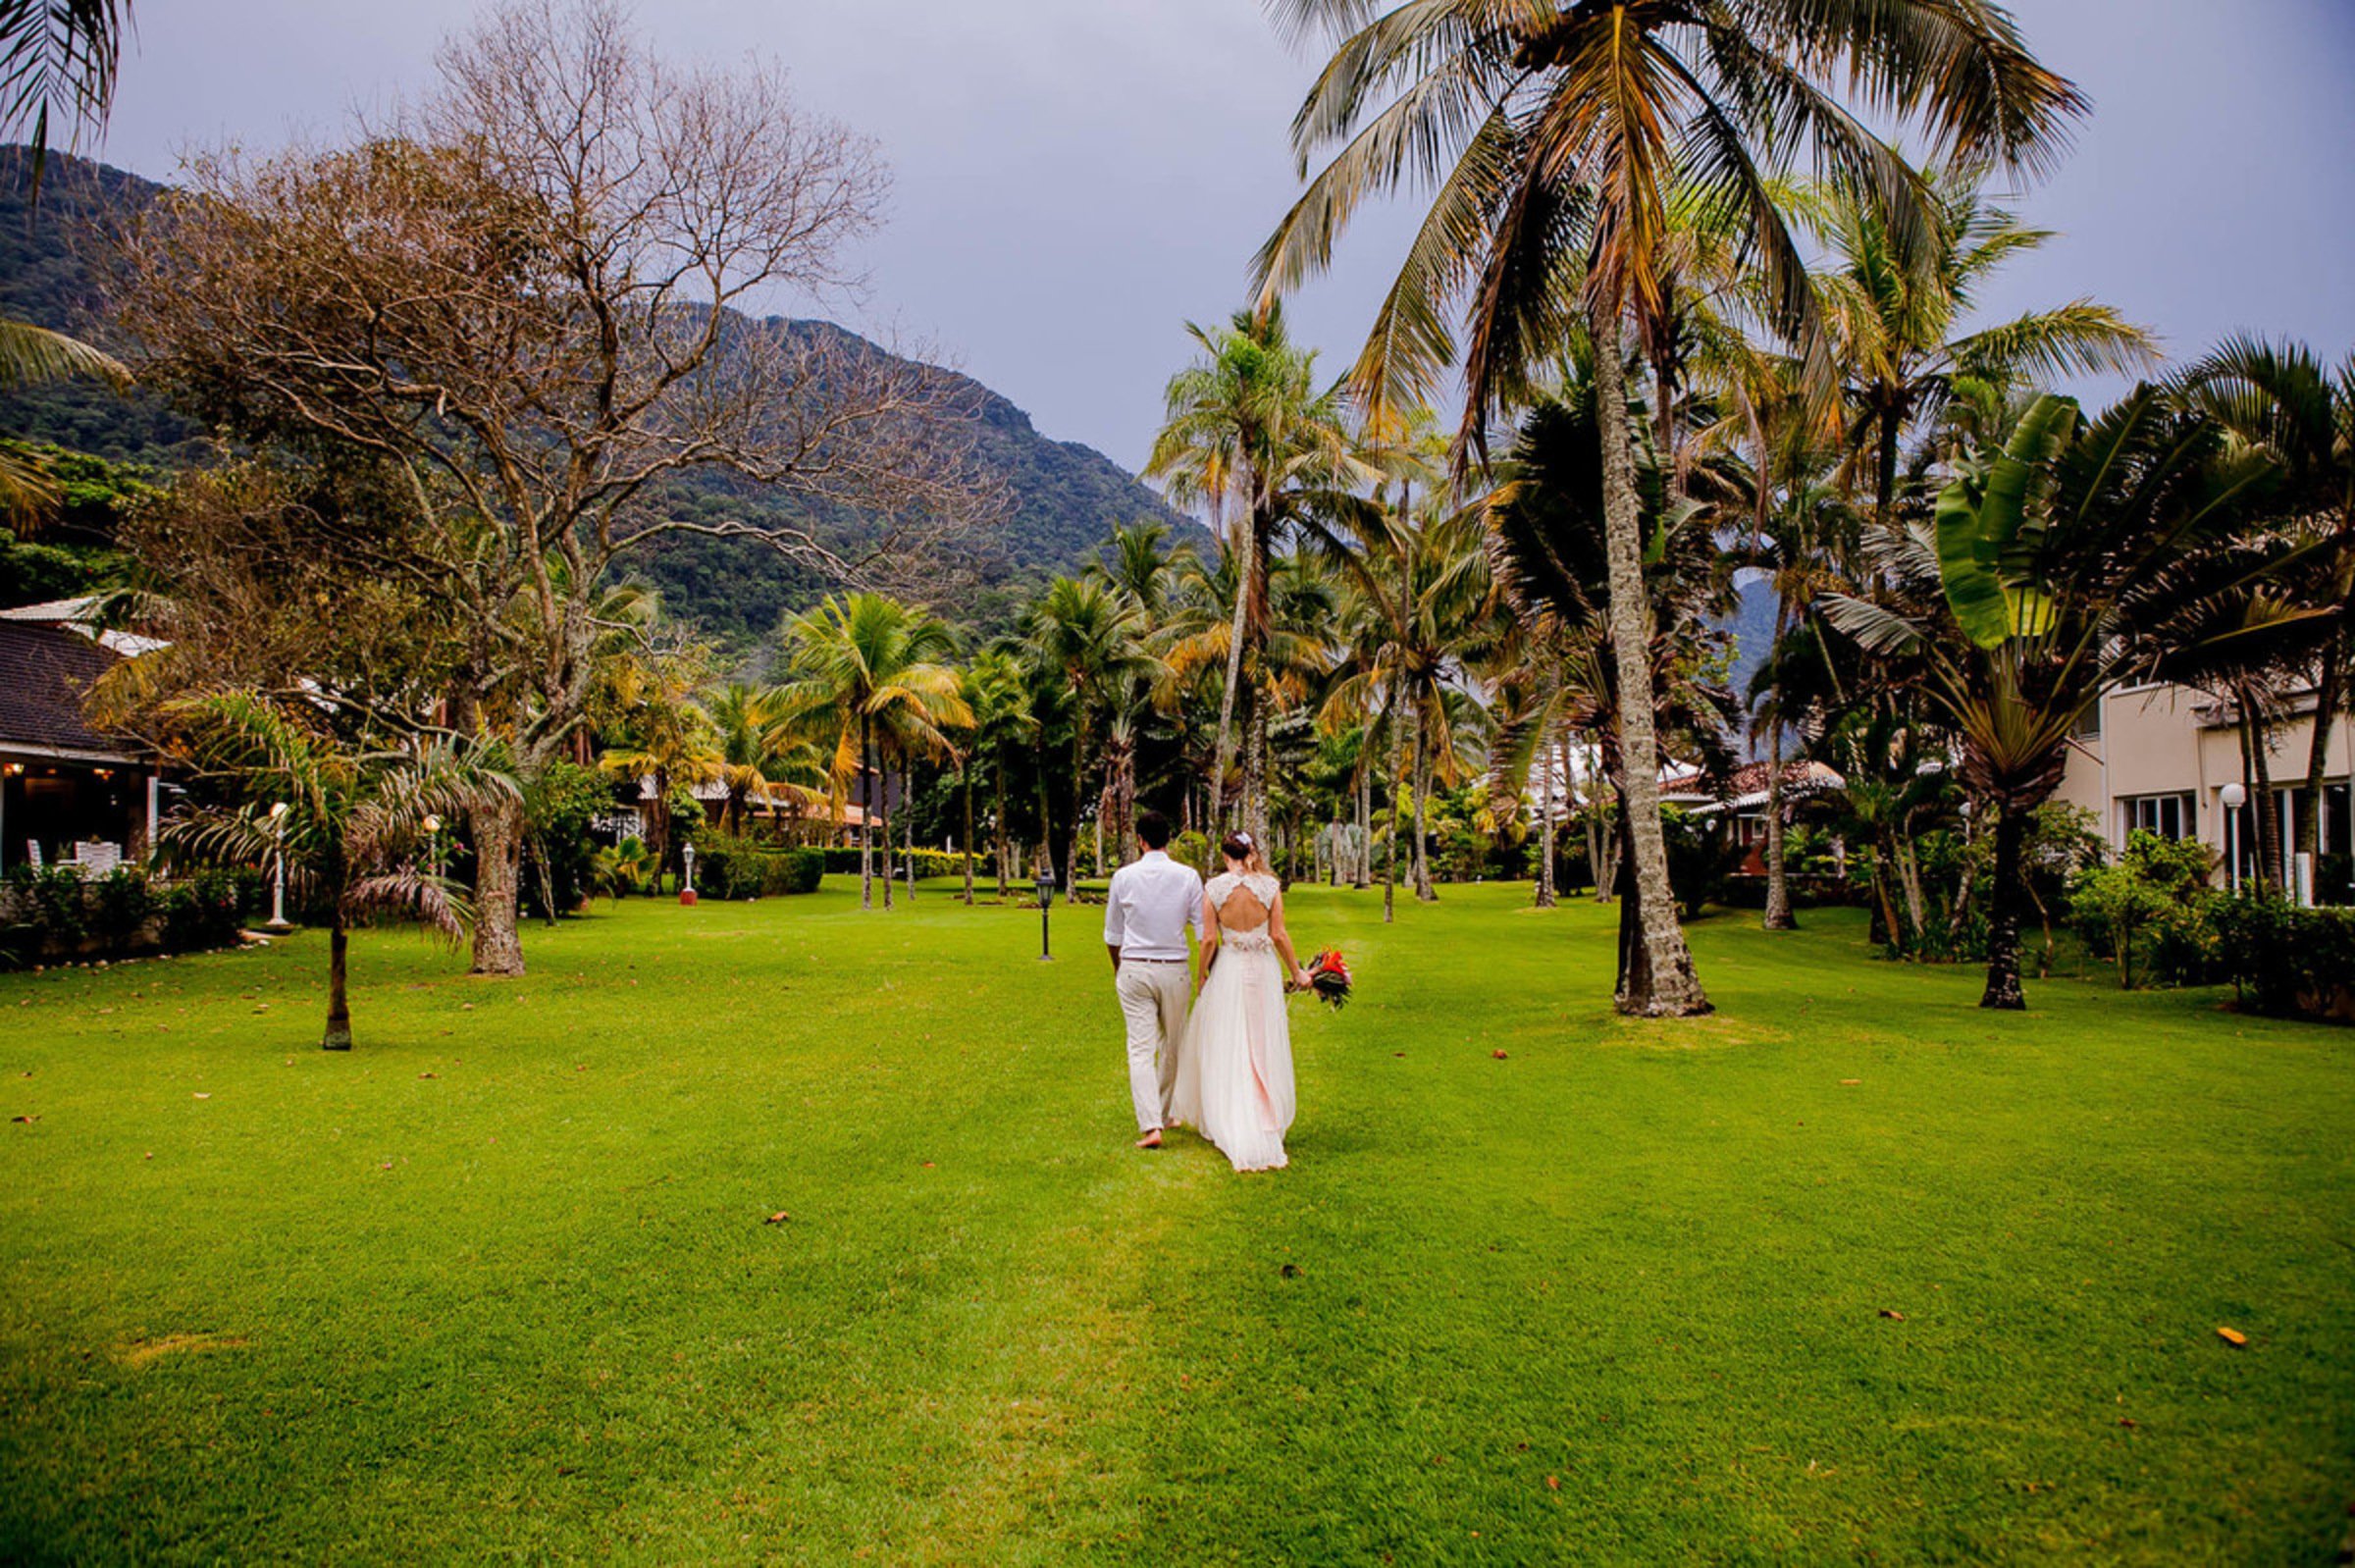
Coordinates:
<point>1329,978</point>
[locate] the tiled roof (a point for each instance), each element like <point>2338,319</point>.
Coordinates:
<point>45,672</point>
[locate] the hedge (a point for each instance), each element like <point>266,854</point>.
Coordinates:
<point>2289,962</point>
<point>53,916</point>
<point>745,869</point>
<point>929,863</point>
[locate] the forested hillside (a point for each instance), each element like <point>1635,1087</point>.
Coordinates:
<point>1067,497</point>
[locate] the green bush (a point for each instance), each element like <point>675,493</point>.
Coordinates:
<point>729,867</point>
<point>2152,913</point>
<point>841,857</point>
<point>559,803</point>
<point>118,906</point>
<point>2289,962</point>
<point>205,909</point>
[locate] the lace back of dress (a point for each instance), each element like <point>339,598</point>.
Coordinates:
<point>1245,905</point>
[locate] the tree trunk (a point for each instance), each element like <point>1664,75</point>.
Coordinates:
<point>1545,898</point>
<point>884,792</point>
<point>1634,960</point>
<point>866,814</point>
<point>1254,811</point>
<point>999,828</point>
<point>2327,692</point>
<point>1778,885</point>
<point>968,833</point>
<point>1238,634</point>
<point>1422,857</point>
<point>497,878</point>
<point>2263,808</point>
<point>1361,864</point>
<point>1390,880</point>
<point>2003,913</point>
<point>907,824</point>
<point>1670,988</point>
<point>338,997</point>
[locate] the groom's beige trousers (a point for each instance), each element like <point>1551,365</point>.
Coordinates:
<point>1153,998</point>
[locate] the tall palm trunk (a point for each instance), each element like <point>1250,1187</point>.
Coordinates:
<point>1779,882</point>
<point>999,827</point>
<point>1246,552</point>
<point>498,881</point>
<point>1390,880</point>
<point>1423,787</point>
<point>2329,689</point>
<point>1255,771</point>
<point>1361,861</point>
<point>907,823</point>
<point>968,772</point>
<point>1545,898</point>
<point>339,996</point>
<point>1668,986</point>
<point>2003,913</point>
<point>866,813</point>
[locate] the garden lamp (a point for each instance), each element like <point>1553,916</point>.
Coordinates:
<point>687,859</point>
<point>278,886</point>
<point>2234,797</point>
<point>1046,899</point>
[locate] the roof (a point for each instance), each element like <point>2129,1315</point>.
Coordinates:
<point>1744,788</point>
<point>45,673</point>
<point>81,615</point>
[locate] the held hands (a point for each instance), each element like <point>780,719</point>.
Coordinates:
<point>1300,980</point>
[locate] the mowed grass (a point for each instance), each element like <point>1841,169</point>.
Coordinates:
<point>1849,1270</point>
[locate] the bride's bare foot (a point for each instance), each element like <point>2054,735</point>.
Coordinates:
<point>1151,1140</point>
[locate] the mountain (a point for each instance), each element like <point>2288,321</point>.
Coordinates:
<point>1067,497</point>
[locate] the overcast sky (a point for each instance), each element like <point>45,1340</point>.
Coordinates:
<point>1074,179</point>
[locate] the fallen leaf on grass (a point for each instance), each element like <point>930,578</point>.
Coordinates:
<point>2234,1337</point>
<point>201,1095</point>
<point>1850,1083</point>
<point>1290,1271</point>
<point>778,1218</point>
<point>1892,1312</point>
<point>1554,1482</point>
<point>2128,1421</point>
<point>35,1117</point>
<point>1498,1055</point>
<point>429,1075</point>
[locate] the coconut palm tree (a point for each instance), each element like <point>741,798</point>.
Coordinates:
<point>349,821</point>
<point>1551,135</point>
<point>998,697</point>
<point>1093,638</point>
<point>1250,436</point>
<point>663,733</point>
<point>1894,321</point>
<point>2070,565</point>
<point>866,668</point>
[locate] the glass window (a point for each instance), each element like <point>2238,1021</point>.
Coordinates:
<point>2167,815</point>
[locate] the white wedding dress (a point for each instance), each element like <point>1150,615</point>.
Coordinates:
<point>1235,1070</point>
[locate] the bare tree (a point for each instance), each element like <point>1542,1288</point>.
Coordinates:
<point>531,295</point>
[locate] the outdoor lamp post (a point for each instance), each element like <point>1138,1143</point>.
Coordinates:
<point>1046,901</point>
<point>2233,796</point>
<point>432,842</point>
<point>278,887</point>
<point>687,859</point>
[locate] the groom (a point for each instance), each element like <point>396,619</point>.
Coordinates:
<point>1153,903</point>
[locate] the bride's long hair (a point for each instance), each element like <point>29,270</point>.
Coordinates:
<point>1242,847</point>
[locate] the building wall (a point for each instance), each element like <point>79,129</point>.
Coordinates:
<point>2159,741</point>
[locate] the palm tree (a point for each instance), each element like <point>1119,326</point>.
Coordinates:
<point>1248,432</point>
<point>664,734</point>
<point>2280,398</point>
<point>58,62</point>
<point>1891,319</point>
<point>1551,134</point>
<point>2068,566</point>
<point>350,822</point>
<point>866,668</point>
<point>1093,639</point>
<point>998,698</point>
<point>760,760</point>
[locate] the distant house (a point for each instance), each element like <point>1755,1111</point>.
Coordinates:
<point>1743,799</point>
<point>67,792</point>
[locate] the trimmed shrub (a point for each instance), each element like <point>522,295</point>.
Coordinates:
<point>2289,962</point>
<point>727,867</point>
<point>841,857</point>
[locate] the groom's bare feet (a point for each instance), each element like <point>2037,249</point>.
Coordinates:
<point>1151,1140</point>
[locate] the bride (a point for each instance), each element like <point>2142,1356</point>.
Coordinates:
<point>1235,1070</point>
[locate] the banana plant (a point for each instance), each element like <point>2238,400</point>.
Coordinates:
<point>2081,556</point>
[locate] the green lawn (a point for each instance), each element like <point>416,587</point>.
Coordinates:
<point>1851,1269</point>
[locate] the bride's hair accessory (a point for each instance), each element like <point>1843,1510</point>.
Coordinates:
<point>1240,846</point>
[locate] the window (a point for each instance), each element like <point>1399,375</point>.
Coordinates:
<point>2088,725</point>
<point>2167,815</point>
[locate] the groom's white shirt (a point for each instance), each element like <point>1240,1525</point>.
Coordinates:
<point>1153,902</point>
